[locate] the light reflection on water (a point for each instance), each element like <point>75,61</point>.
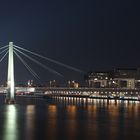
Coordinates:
<point>113,119</point>
<point>30,122</point>
<point>10,125</point>
<point>70,119</point>
<point>52,121</point>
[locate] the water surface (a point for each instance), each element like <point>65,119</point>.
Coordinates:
<point>69,119</point>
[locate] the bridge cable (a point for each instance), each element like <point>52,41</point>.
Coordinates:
<point>51,60</point>
<point>4,47</point>
<point>37,62</point>
<point>3,56</point>
<point>3,51</point>
<point>27,66</point>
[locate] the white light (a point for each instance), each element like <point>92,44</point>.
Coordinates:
<point>10,80</point>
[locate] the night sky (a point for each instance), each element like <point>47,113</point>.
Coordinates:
<point>86,34</point>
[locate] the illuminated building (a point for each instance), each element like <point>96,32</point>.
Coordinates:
<point>73,84</point>
<point>30,83</point>
<point>118,78</point>
<point>98,79</point>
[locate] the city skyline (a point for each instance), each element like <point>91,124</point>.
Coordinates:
<point>89,35</point>
<point>69,69</point>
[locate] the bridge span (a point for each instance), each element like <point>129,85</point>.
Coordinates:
<point>114,93</point>
<point>107,93</point>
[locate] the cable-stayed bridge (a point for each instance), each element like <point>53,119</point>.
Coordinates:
<point>10,90</point>
<point>11,50</point>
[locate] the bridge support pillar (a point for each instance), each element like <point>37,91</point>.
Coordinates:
<point>10,79</point>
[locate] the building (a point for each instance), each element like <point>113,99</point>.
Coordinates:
<point>118,78</point>
<point>99,79</point>
<point>73,84</point>
<point>126,78</point>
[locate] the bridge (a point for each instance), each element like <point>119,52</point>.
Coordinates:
<point>99,93</point>
<point>11,91</point>
<point>12,49</point>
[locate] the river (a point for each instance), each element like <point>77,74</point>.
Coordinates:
<point>69,119</point>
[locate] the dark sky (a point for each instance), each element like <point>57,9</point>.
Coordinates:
<point>86,34</point>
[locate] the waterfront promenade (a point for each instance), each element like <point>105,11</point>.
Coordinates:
<point>103,93</point>
<point>107,93</point>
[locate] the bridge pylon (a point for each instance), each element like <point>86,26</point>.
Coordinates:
<point>10,98</point>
